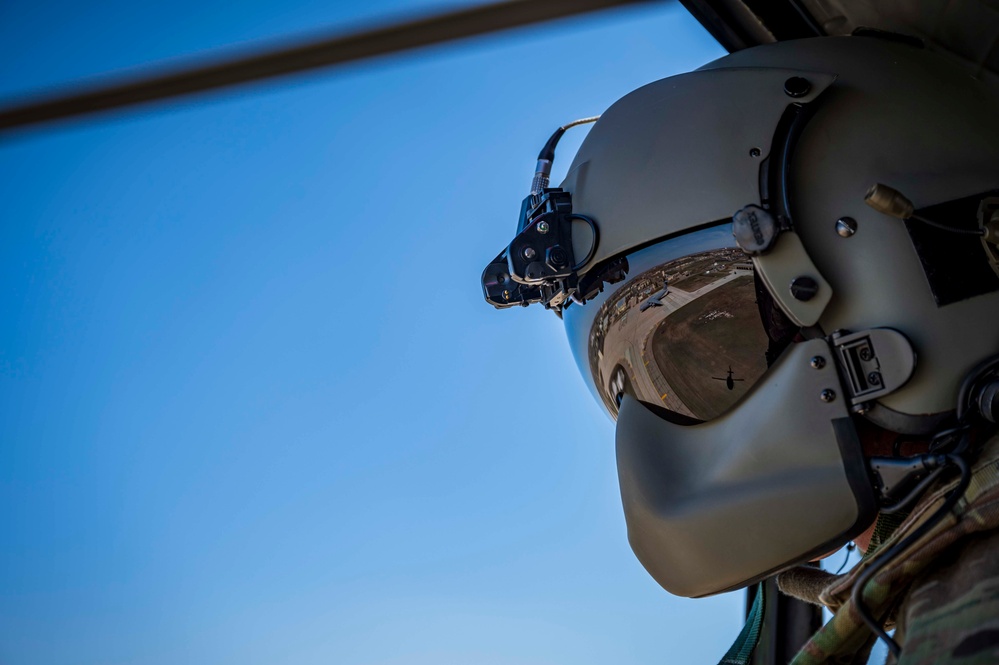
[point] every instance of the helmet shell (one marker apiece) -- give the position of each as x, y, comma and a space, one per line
686, 151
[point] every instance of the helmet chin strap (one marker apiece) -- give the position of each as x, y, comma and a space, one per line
901, 481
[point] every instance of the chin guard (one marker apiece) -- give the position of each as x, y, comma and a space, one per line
540, 265
781, 477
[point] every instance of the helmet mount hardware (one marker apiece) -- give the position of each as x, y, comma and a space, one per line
804, 288
755, 230
784, 262
872, 363
539, 265
846, 227
518, 275
796, 87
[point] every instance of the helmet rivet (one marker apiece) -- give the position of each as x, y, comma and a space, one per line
818, 362
827, 395
846, 226
529, 253
804, 288
754, 152
797, 87
543, 227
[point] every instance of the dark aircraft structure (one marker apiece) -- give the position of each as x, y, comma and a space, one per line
962, 30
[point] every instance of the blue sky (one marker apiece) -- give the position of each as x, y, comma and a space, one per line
252, 406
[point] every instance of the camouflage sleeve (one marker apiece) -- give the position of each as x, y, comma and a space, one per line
951, 613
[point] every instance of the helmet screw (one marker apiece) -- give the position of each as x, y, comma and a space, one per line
827, 395
818, 362
804, 288
543, 227
865, 354
797, 87
846, 226
754, 152
529, 253
874, 379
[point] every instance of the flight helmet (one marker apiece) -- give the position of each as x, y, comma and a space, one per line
748, 259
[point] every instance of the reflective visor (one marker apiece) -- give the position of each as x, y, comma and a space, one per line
683, 331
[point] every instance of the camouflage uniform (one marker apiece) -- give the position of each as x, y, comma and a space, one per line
943, 591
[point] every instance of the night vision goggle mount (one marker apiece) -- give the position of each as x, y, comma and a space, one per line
540, 265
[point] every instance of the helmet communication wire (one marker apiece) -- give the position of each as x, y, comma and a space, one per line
850, 547
948, 449
893, 203
547, 156
952, 498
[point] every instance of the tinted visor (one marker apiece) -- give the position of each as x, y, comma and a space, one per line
689, 329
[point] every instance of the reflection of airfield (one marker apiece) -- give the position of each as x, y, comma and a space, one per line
629, 338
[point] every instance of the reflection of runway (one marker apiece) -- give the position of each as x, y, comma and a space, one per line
637, 328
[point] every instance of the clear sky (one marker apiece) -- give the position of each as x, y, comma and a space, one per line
253, 408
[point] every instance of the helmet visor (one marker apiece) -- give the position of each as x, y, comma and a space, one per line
683, 330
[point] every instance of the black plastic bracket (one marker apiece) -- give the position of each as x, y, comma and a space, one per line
542, 251
539, 265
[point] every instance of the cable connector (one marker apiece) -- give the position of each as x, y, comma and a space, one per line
889, 201
896, 476
893, 203
543, 170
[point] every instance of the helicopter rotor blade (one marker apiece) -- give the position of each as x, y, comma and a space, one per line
335, 50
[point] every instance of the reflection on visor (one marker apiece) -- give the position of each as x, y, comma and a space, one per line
682, 332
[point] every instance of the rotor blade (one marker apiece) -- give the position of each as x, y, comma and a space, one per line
338, 49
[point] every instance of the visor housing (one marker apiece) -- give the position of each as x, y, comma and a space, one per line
683, 331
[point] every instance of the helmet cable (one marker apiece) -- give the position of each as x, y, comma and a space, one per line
947, 450
850, 547
547, 155
951, 499
893, 203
